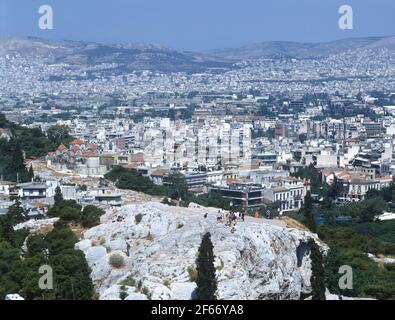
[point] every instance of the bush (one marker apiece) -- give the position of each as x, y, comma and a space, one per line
166, 283
192, 274
146, 292
390, 267
117, 260
129, 281
123, 294
138, 218
90, 216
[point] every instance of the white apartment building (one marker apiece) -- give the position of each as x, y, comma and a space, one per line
289, 193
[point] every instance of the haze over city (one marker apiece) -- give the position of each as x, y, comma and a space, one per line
197, 25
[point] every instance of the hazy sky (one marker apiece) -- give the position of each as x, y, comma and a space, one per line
197, 24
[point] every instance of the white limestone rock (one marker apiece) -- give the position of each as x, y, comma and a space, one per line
161, 292
83, 245
117, 245
93, 254
182, 291
37, 225
258, 261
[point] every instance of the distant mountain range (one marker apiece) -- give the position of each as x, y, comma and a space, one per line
128, 57
139, 57
301, 50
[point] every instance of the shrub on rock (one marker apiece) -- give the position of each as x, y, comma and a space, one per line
117, 260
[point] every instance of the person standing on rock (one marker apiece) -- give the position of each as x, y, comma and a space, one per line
219, 216
232, 219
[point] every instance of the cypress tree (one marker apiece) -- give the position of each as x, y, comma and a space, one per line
308, 208
58, 196
206, 281
317, 277
30, 174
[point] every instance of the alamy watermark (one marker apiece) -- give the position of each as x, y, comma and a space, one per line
346, 20
46, 281
346, 280
45, 22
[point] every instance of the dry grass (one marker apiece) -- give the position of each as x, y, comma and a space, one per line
149, 237
78, 230
166, 283
46, 228
291, 223
58, 174
192, 274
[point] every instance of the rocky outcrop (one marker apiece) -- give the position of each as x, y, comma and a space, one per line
159, 246
37, 226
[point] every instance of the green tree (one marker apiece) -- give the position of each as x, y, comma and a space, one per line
212, 199
371, 208
16, 213
90, 216
35, 244
71, 276
318, 273
71, 213
58, 196
8, 256
67, 210
29, 141
310, 173
59, 134
308, 212
30, 175
59, 239
302, 138
6, 229
12, 161
24, 277
178, 187
206, 281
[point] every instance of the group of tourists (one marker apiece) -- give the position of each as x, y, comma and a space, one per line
230, 218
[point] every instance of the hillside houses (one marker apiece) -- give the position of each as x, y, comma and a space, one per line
80, 157
353, 185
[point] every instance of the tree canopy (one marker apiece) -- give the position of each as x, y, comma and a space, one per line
19, 270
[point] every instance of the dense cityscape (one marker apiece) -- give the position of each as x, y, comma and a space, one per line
122, 160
